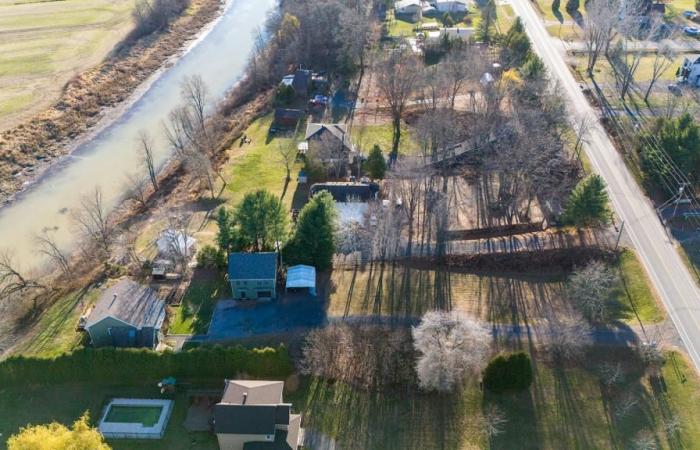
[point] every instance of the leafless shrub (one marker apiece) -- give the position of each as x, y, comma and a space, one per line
494, 421
591, 287
644, 440
14, 281
94, 224
612, 374
150, 16
367, 356
625, 404
146, 143
568, 337
137, 190
49, 247
450, 346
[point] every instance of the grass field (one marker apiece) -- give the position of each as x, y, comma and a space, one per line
637, 291
45, 43
194, 313
566, 408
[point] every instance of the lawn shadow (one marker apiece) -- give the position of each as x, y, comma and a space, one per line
520, 429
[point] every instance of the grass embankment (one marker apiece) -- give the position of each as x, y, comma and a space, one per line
195, 311
565, 408
45, 43
83, 96
637, 292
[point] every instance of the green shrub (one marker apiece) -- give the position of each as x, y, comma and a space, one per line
508, 372
375, 165
209, 257
112, 365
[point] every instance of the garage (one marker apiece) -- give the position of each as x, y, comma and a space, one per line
300, 278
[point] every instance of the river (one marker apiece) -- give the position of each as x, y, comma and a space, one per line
105, 160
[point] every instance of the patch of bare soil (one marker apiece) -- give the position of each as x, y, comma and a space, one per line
38, 142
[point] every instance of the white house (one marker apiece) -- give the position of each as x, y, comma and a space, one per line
408, 7
451, 6
690, 72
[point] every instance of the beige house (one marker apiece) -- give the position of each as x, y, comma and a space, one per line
253, 416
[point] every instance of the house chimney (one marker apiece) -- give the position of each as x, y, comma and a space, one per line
245, 397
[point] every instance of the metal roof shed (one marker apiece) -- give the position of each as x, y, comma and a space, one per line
302, 276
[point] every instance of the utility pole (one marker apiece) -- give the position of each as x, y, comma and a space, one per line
619, 235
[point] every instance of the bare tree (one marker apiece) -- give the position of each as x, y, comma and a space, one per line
288, 154
625, 404
352, 237
49, 247
94, 223
612, 374
568, 337
461, 67
592, 287
13, 280
652, 356
178, 237
644, 440
494, 421
397, 78
194, 94
599, 31
663, 59
673, 424
450, 345
406, 182
582, 128
137, 189
146, 143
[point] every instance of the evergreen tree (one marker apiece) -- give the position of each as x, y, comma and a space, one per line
485, 32
508, 372
261, 220
516, 45
224, 219
588, 204
313, 242
375, 165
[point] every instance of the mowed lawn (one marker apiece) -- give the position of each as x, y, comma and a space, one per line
566, 408
514, 298
36, 404
45, 43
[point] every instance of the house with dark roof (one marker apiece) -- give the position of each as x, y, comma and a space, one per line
287, 118
127, 314
300, 81
253, 276
253, 416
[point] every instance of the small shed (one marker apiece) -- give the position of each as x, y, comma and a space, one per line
302, 277
287, 118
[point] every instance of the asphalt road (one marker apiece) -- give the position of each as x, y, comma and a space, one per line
670, 276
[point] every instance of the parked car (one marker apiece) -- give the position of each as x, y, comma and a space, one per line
690, 14
319, 100
692, 31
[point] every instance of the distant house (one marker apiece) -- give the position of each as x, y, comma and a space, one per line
347, 192
436, 37
300, 81
690, 71
252, 416
330, 143
408, 7
253, 275
451, 6
287, 118
127, 314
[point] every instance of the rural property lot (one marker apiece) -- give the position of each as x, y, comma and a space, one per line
43, 44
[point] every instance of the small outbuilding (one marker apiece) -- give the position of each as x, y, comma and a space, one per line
253, 276
301, 277
287, 118
127, 314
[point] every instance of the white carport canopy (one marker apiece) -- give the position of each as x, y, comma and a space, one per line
302, 276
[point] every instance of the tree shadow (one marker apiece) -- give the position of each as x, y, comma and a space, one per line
521, 430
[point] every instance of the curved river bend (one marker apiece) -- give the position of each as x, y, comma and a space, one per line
220, 57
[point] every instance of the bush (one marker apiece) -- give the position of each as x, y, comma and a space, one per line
508, 372
588, 204
209, 257
375, 165
113, 365
150, 16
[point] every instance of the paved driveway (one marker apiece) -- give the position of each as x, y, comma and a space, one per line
232, 320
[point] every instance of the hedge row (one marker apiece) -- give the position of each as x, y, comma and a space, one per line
134, 365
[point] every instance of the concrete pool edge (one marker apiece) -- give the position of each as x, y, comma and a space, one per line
127, 430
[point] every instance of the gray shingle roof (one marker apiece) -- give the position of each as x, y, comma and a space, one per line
339, 131
252, 266
129, 302
244, 419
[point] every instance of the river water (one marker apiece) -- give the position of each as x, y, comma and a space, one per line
219, 56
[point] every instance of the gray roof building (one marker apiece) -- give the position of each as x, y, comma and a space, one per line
337, 130
252, 266
127, 314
